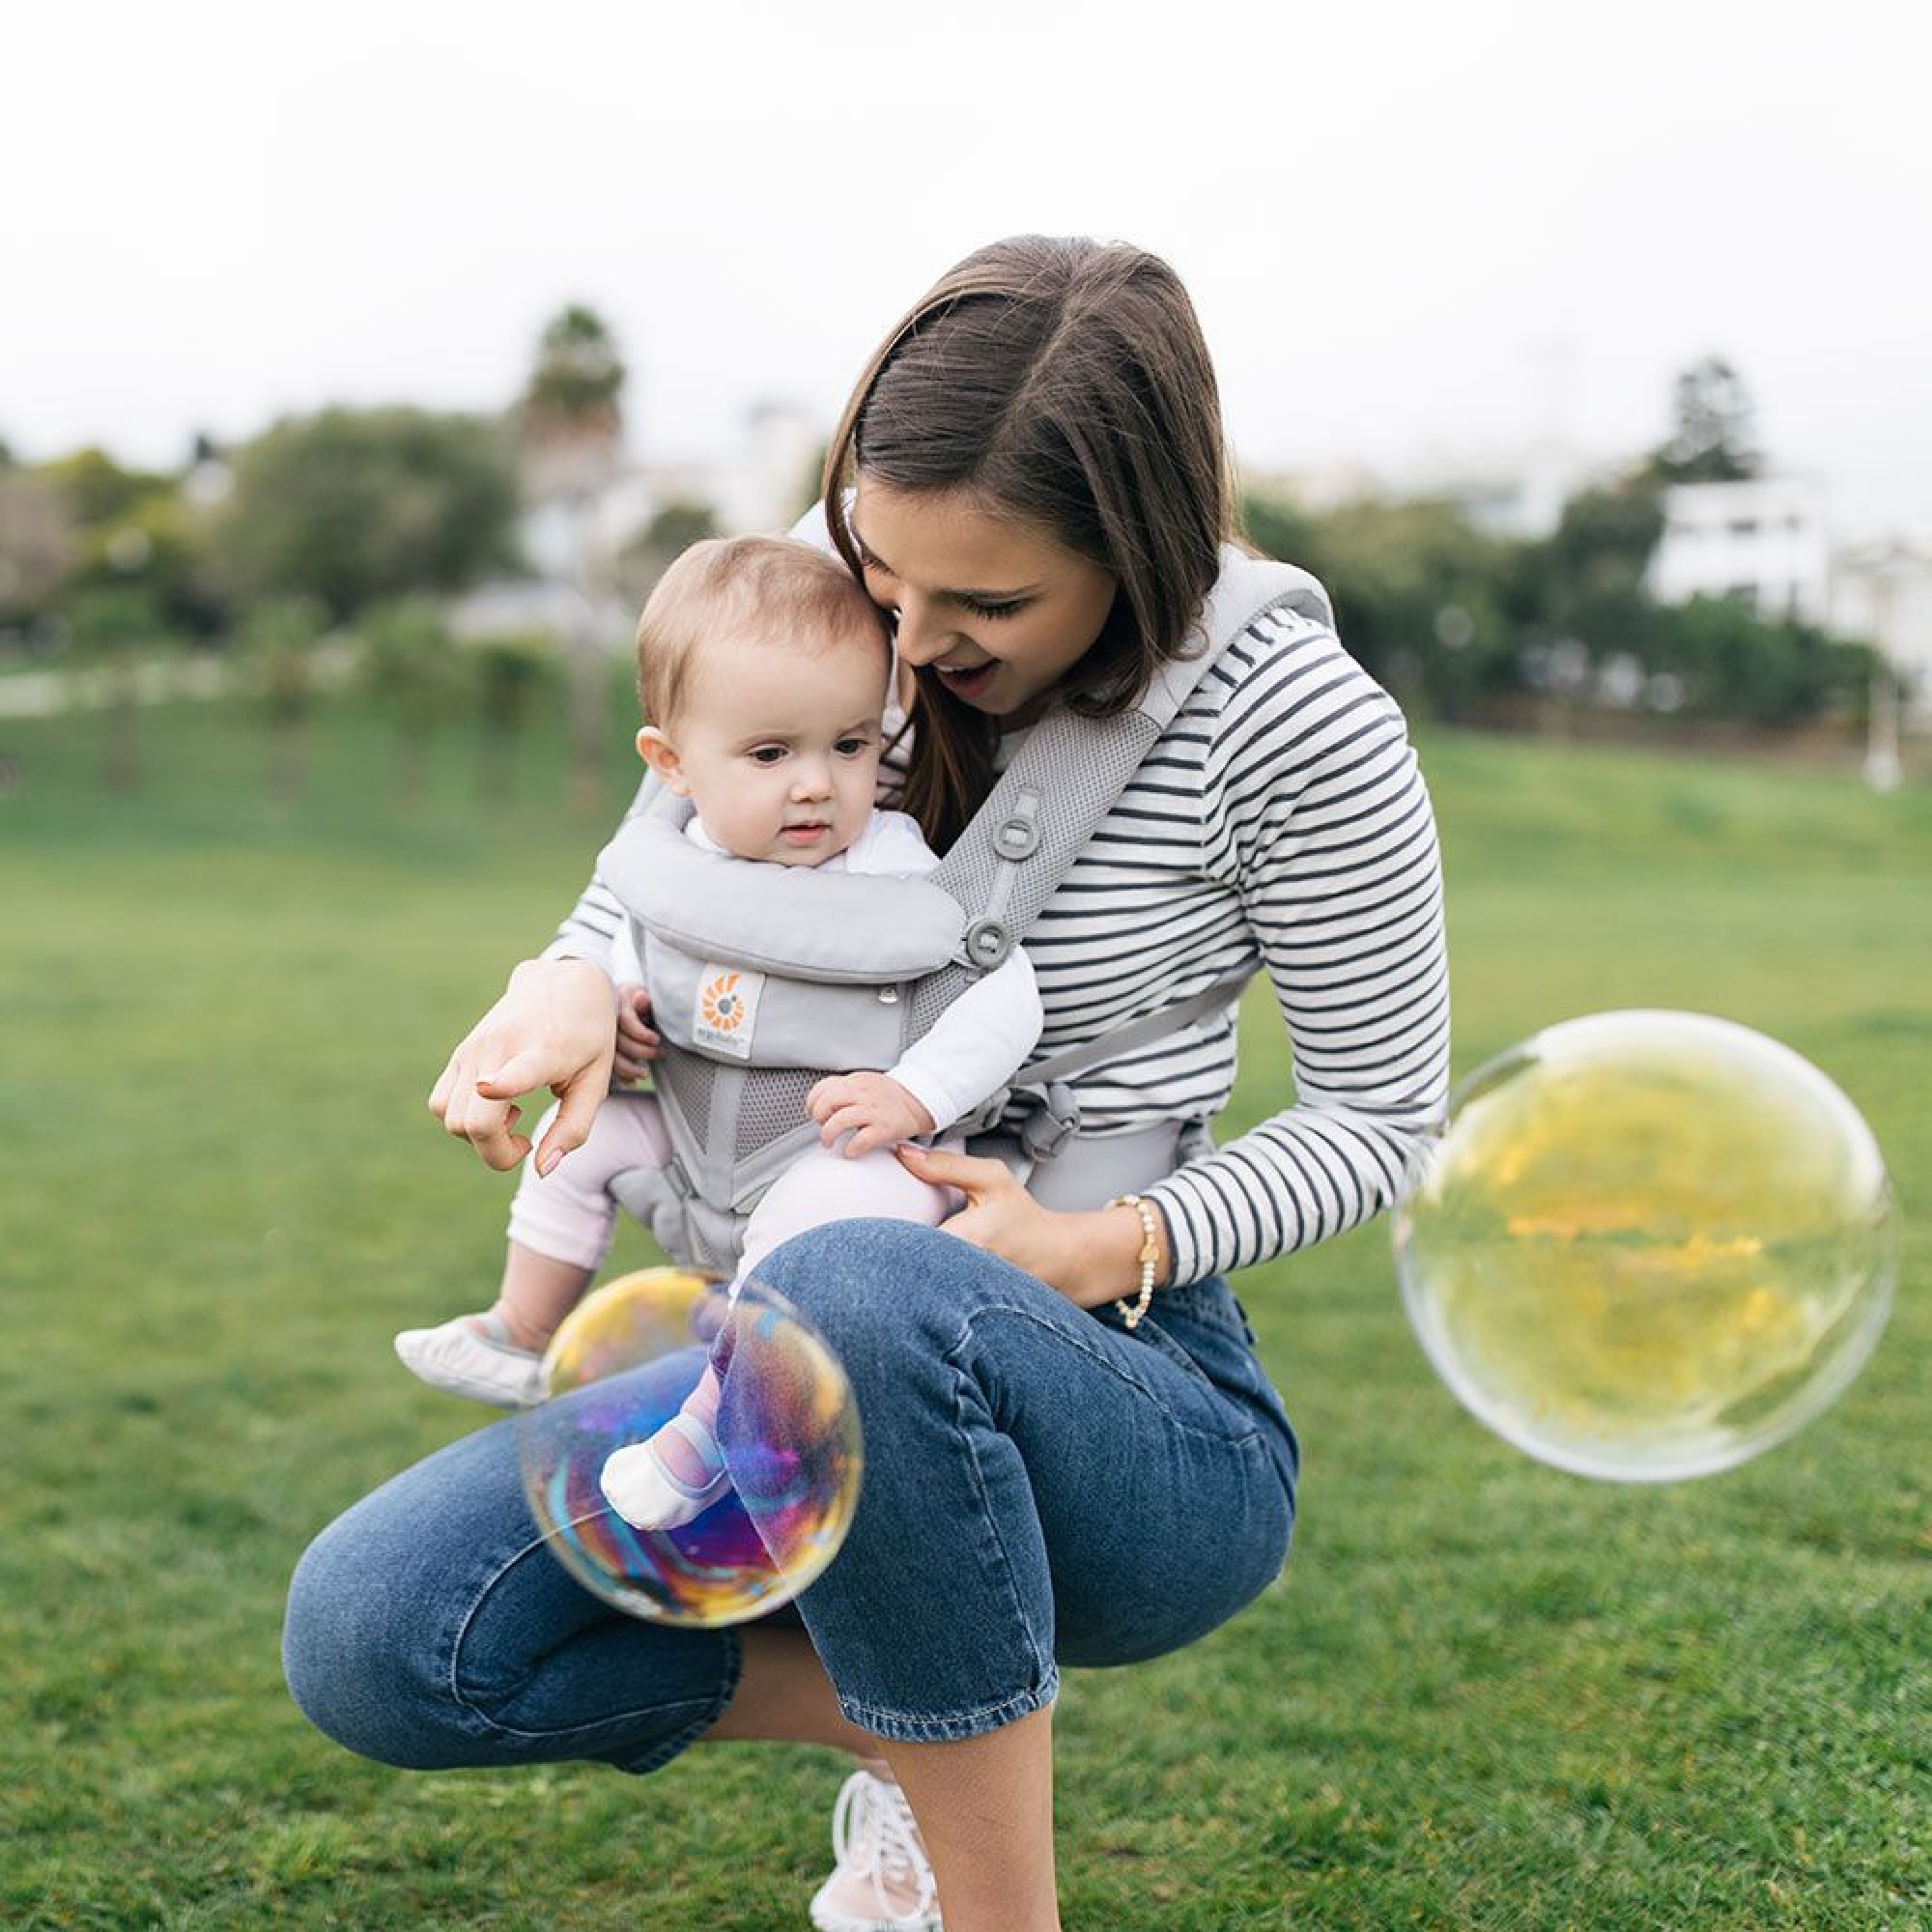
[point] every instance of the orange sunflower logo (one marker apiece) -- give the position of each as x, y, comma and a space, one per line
724, 1004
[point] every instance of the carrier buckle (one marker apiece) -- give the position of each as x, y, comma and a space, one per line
1052, 1124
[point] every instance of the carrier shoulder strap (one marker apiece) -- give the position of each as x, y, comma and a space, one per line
1070, 772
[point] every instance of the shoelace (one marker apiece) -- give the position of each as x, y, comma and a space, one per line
874, 1834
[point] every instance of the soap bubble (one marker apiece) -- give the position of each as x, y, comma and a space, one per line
1650, 1245
618, 1368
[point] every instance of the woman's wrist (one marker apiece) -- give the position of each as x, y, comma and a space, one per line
561, 967
1108, 1243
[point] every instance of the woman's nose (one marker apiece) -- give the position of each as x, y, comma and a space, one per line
921, 639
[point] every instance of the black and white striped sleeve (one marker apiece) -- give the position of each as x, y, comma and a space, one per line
1319, 819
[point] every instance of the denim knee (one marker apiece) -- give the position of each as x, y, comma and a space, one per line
360, 1665
888, 1294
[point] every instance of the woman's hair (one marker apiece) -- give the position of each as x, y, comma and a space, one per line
757, 587
1065, 383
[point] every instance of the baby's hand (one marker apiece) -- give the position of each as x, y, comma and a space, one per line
875, 1111
637, 1041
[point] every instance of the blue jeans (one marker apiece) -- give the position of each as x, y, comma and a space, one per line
1041, 1488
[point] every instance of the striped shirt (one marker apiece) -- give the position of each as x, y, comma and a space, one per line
1280, 825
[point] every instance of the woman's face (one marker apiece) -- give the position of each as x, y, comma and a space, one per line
999, 609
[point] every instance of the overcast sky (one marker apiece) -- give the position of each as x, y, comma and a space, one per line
1407, 227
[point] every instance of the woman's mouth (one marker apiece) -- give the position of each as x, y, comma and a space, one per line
969, 680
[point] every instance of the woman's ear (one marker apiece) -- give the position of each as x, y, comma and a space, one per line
661, 754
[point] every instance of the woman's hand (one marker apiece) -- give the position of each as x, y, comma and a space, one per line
638, 1043
1090, 1258
555, 1027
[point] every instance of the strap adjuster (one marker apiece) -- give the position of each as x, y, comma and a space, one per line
1017, 838
988, 941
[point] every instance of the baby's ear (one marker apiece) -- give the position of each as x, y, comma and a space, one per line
661, 754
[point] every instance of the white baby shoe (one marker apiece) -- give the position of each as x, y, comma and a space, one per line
482, 1363
639, 1486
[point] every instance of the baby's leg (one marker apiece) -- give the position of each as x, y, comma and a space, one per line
559, 1231
680, 1472
822, 1185
560, 1226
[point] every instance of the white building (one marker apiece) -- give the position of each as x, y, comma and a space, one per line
1882, 593
1763, 540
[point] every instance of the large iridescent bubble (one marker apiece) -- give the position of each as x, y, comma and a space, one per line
1650, 1245
619, 1367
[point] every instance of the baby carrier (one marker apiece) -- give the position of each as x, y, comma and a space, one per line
763, 983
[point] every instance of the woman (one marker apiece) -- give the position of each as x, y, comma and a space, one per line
1039, 496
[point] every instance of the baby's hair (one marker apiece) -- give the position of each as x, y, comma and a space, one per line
773, 589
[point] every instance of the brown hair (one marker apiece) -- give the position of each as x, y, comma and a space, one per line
1063, 382
772, 588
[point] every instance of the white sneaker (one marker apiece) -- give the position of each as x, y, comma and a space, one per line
485, 1365
884, 1878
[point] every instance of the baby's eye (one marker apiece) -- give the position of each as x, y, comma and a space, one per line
851, 748
766, 754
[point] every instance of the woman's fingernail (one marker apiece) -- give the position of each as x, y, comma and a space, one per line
547, 1165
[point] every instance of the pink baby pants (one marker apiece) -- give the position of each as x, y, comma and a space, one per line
569, 1216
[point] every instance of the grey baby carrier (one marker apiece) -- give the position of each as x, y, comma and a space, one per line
762, 984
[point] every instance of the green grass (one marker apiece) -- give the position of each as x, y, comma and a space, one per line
1482, 1694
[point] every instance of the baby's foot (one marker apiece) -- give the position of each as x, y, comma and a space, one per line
474, 1356
667, 1479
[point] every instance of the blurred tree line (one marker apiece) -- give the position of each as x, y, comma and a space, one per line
1463, 625
331, 543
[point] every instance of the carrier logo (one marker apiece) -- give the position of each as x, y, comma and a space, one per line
727, 1010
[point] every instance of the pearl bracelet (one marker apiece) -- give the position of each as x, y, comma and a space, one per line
1132, 1311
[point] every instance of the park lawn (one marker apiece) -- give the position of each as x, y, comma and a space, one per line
1483, 1693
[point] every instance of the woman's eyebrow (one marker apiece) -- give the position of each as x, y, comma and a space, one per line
977, 596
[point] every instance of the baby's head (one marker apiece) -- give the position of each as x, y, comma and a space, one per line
762, 669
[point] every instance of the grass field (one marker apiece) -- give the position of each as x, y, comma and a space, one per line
1482, 1694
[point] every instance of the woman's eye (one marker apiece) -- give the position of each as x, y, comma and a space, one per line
979, 609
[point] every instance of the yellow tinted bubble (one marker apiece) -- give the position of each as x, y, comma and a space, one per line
619, 1369
1649, 1245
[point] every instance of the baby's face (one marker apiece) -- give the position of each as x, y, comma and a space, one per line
779, 747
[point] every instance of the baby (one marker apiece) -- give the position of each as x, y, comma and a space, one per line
763, 671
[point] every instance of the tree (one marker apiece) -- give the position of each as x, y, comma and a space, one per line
1418, 591
1731, 662
677, 526
1585, 581
511, 671
572, 417
276, 643
39, 544
1713, 439
414, 670
354, 506
108, 626
573, 396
